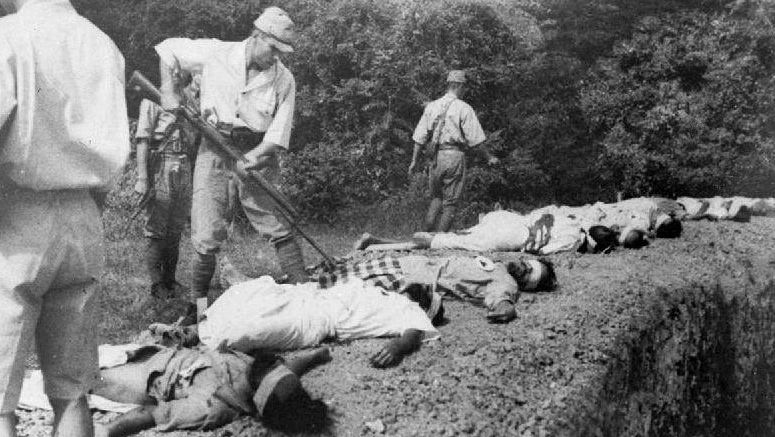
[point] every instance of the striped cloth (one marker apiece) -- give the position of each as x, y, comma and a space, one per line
384, 272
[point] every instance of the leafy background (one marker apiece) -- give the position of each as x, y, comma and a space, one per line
592, 97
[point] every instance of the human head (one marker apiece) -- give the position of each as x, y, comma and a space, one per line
429, 301
282, 402
273, 34
603, 239
533, 274
668, 226
632, 238
456, 82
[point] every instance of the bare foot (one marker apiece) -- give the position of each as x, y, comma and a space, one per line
363, 242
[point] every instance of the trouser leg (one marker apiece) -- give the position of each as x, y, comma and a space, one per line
435, 188
154, 261
202, 272
291, 259
453, 182
447, 218
429, 224
170, 260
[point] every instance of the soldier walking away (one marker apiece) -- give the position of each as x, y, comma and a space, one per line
248, 94
165, 147
450, 126
64, 136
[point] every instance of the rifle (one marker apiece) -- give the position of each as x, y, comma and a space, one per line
254, 180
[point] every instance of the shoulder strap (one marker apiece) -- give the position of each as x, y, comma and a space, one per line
438, 123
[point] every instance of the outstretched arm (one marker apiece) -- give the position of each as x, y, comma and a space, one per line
132, 422
397, 349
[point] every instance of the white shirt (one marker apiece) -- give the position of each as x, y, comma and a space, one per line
261, 314
265, 104
63, 121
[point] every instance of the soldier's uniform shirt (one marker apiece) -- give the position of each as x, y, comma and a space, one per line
464, 277
460, 129
63, 131
168, 211
184, 384
265, 104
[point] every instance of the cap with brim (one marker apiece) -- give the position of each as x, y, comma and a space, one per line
276, 28
280, 382
458, 76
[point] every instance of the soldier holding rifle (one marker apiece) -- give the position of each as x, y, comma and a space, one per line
249, 95
164, 152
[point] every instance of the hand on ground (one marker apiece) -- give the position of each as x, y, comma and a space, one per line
388, 356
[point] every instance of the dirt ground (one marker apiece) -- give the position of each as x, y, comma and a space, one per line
517, 379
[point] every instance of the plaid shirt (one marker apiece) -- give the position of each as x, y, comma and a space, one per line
384, 272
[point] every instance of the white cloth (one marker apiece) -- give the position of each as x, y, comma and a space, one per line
503, 231
63, 121
261, 314
265, 104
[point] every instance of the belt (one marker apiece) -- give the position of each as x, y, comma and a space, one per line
242, 137
450, 146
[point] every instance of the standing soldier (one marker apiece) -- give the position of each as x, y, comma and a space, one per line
451, 126
64, 136
249, 95
164, 151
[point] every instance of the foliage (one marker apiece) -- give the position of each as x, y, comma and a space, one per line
590, 96
683, 107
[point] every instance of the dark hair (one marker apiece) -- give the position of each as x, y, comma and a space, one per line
421, 294
743, 215
670, 228
605, 238
635, 239
297, 414
549, 281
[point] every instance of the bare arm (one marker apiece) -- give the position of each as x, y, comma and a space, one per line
397, 349
142, 186
132, 422
415, 156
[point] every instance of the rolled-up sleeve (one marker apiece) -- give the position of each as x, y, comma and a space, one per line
146, 120
472, 130
7, 83
188, 54
423, 127
279, 131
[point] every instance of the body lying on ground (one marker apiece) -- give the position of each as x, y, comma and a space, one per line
184, 388
494, 284
262, 315
505, 231
737, 208
634, 219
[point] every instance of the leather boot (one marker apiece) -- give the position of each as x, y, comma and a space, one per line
447, 218
291, 260
170, 262
154, 264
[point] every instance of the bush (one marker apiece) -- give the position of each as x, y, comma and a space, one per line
681, 109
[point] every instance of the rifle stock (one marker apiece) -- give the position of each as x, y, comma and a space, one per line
140, 84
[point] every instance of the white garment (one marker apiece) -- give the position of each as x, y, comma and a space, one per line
265, 104
503, 231
460, 125
63, 121
261, 314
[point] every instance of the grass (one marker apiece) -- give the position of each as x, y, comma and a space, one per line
124, 302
